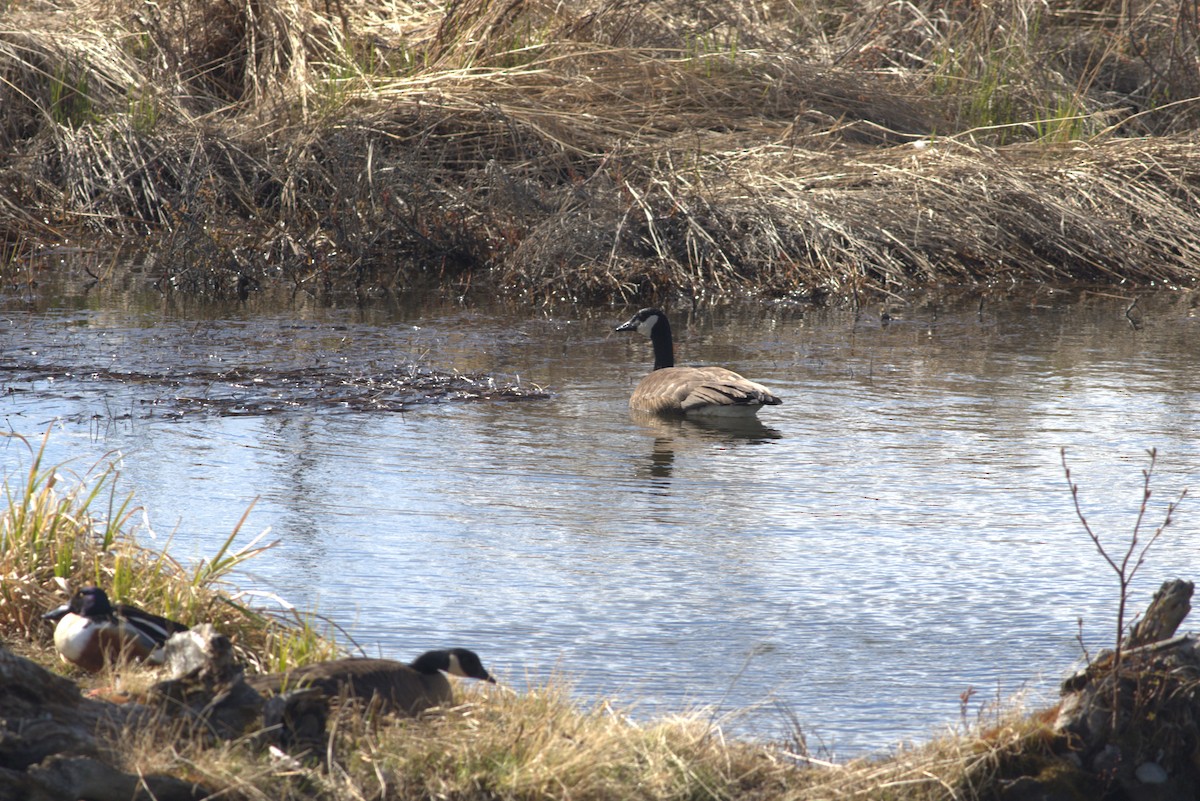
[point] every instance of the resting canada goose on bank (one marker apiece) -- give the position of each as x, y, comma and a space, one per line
409, 688
691, 391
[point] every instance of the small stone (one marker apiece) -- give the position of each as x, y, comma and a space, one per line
1151, 773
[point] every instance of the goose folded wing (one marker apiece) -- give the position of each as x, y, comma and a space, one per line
721, 387
713, 394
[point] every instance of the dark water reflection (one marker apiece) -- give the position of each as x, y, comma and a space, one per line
670, 436
897, 532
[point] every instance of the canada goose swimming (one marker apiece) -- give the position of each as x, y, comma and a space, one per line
410, 688
92, 632
691, 391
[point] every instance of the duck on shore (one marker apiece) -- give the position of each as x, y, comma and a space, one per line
91, 632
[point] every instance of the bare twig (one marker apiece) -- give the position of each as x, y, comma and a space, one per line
1130, 562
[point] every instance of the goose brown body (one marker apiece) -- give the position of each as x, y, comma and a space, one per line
407, 688
689, 391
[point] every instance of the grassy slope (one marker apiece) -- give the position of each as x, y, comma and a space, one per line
606, 149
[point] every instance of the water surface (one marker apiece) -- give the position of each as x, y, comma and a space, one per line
898, 533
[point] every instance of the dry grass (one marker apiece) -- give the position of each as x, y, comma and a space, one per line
540, 745
605, 149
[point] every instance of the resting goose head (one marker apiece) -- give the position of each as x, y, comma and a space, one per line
455, 661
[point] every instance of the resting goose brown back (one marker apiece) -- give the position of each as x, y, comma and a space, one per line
690, 391
408, 688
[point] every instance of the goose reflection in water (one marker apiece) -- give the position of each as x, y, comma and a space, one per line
674, 436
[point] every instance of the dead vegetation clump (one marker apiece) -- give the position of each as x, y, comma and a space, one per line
606, 149
542, 745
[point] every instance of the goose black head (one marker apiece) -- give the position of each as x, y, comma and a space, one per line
653, 323
647, 322
455, 661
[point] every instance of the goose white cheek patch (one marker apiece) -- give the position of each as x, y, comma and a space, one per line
646, 326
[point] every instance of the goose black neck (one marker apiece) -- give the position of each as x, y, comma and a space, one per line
664, 345
431, 662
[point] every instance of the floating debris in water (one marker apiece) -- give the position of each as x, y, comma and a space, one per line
260, 391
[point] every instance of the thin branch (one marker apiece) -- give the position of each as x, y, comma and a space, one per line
1082, 519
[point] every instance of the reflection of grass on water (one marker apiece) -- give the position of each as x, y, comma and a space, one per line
568, 151
496, 744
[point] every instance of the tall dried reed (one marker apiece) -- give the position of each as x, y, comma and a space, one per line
607, 149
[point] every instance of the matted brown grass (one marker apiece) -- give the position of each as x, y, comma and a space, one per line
496, 744
605, 150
